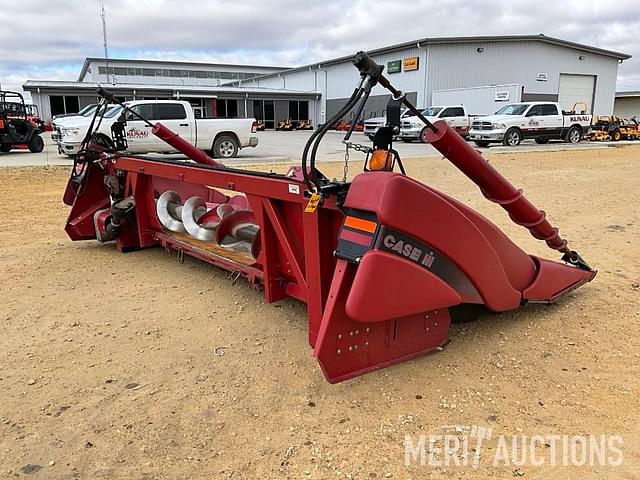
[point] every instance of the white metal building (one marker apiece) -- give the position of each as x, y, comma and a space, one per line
627, 104
481, 72
205, 85
533, 67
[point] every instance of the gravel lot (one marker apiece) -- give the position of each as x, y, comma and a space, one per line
111, 364
287, 147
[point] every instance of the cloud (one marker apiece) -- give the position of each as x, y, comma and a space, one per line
41, 41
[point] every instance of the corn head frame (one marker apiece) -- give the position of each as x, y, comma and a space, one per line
381, 262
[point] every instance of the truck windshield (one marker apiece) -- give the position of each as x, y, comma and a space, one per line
112, 111
517, 109
88, 110
431, 111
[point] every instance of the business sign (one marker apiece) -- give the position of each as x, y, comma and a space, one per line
410, 63
501, 96
542, 77
394, 66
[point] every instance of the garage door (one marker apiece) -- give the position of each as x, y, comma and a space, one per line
576, 88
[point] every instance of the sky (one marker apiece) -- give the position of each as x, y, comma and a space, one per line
45, 40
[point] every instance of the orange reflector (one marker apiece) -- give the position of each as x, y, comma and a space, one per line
360, 224
381, 160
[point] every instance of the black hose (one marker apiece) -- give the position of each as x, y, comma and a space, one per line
320, 132
358, 113
87, 137
314, 150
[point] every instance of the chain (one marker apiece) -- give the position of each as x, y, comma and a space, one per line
358, 148
345, 169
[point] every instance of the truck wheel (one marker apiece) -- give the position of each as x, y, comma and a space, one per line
541, 140
574, 135
225, 146
512, 138
481, 144
36, 144
423, 135
5, 148
616, 135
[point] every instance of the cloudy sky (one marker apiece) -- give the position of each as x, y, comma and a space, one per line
44, 39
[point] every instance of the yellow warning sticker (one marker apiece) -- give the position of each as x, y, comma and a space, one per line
313, 203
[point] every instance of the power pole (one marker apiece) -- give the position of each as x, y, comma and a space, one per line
104, 36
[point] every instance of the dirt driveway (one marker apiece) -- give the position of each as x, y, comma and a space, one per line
137, 367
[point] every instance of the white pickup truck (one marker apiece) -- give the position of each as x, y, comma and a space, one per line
222, 137
412, 128
541, 121
371, 125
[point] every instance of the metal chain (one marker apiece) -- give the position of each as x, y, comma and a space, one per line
345, 169
358, 148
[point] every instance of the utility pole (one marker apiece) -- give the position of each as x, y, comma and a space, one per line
104, 36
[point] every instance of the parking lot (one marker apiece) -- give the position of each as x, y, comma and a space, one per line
286, 147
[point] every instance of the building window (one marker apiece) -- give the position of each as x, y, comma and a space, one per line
57, 105
226, 108
174, 73
61, 104
298, 110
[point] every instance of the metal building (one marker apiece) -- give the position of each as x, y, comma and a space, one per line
204, 85
627, 104
534, 67
484, 73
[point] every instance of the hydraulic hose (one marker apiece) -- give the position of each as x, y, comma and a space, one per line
320, 132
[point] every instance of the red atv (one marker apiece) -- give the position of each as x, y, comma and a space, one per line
17, 130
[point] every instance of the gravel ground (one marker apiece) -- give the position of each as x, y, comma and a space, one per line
137, 367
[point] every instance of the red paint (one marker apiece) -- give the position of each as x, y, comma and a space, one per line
379, 310
493, 185
355, 237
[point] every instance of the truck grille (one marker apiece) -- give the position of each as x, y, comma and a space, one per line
57, 132
482, 125
371, 127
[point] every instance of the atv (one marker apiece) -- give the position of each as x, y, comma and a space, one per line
16, 130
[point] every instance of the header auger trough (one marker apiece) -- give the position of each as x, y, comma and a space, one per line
379, 261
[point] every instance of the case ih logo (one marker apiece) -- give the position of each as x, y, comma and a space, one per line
407, 249
137, 133
580, 118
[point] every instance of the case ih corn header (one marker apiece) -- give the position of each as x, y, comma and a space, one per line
379, 261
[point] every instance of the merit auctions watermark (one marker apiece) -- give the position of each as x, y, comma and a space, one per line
474, 446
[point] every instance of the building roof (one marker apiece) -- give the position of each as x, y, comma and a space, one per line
630, 93
91, 87
88, 60
453, 40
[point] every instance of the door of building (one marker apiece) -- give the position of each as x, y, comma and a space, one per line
264, 111
574, 89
